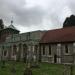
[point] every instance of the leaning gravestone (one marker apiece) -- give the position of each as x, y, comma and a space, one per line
28, 71
3, 64
67, 70
13, 69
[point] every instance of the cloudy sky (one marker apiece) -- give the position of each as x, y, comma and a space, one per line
30, 15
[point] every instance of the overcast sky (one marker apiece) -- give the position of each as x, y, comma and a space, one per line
30, 15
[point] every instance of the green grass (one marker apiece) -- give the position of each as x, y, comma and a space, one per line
19, 66
43, 69
48, 69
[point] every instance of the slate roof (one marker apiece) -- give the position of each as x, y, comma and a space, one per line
59, 35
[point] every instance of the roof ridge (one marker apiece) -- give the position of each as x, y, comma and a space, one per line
13, 27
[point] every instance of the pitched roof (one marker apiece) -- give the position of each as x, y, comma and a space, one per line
59, 35
12, 27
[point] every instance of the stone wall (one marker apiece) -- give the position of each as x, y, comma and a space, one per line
26, 44
58, 53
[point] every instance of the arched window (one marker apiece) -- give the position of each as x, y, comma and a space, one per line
24, 49
36, 48
2, 50
2, 47
14, 49
49, 49
66, 49
20, 48
43, 49
5, 53
24, 52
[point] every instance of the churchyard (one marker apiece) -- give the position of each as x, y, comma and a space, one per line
18, 68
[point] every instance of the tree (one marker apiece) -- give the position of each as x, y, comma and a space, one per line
1, 24
70, 21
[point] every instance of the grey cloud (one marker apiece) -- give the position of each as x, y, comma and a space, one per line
71, 4
29, 16
37, 15
24, 16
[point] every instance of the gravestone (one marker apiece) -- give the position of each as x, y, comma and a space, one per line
27, 71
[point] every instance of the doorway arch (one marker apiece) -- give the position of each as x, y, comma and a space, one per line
25, 52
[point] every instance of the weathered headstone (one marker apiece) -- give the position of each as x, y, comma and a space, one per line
28, 71
13, 69
3, 64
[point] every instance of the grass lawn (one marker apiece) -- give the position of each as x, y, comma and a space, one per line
19, 66
48, 69
44, 69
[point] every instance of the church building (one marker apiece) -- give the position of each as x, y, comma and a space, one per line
58, 46
19, 46
52, 46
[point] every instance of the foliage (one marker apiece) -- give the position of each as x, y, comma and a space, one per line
69, 21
